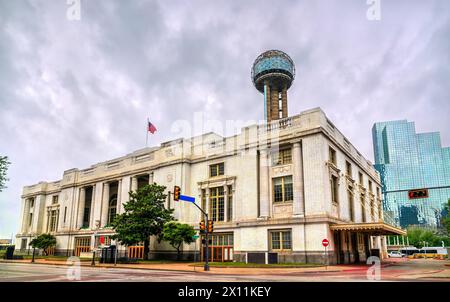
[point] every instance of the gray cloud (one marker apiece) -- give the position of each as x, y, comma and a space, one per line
76, 93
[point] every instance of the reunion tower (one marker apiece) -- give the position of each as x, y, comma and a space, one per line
272, 73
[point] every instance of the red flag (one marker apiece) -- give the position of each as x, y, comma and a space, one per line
151, 128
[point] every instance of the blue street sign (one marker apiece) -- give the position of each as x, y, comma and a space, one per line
187, 198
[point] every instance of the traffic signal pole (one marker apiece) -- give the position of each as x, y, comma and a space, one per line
176, 197
206, 267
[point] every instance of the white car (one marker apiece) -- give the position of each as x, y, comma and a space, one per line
395, 254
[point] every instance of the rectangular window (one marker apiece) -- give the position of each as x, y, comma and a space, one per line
87, 207
282, 189
363, 208
55, 199
361, 179
30, 221
82, 242
217, 204
216, 170
372, 209
53, 220
379, 211
348, 169
281, 240
282, 157
31, 202
334, 189
65, 214
350, 204
370, 186
230, 203
332, 155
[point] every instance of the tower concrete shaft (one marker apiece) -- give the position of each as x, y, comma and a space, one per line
275, 101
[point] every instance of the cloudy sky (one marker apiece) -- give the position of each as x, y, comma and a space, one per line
74, 93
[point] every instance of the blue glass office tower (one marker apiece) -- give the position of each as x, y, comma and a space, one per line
408, 161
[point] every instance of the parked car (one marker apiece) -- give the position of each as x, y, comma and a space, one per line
395, 254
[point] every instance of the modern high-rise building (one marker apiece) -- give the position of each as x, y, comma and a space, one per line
415, 173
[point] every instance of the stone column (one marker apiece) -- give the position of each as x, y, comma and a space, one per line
264, 188
105, 205
25, 214
125, 188
134, 184
57, 220
48, 221
81, 203
150, 178
297, 161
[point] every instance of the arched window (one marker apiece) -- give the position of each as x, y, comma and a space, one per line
112, 210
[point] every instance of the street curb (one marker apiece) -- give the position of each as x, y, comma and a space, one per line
189, 271
155, 269
101, 266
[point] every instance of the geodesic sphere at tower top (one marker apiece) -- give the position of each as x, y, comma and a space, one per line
274, 66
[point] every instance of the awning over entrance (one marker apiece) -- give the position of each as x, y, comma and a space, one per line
373, 228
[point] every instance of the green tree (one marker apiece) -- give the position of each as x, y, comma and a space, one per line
178, 233
418, 236
4, 163
43, 241
446, 220
144, 216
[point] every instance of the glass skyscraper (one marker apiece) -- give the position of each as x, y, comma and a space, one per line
406, 161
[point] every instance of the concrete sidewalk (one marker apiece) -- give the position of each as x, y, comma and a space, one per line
188, 267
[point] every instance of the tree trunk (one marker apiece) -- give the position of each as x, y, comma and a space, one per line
146, 248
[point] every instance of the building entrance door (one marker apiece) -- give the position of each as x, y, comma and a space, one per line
82, 244
220, 248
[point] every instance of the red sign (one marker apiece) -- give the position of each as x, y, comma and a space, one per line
325, 242
102, 239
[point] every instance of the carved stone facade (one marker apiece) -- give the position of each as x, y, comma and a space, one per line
260, 207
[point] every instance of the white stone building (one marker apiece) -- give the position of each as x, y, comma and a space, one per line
278, 187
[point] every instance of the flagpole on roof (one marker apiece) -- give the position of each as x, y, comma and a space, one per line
146, 131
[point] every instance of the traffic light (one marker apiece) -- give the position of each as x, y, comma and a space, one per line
176, 193
210, 226
420, 193
202, 226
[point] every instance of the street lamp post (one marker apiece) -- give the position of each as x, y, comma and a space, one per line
97, 224
115, 252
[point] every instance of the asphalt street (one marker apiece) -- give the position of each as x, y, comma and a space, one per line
426, 270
